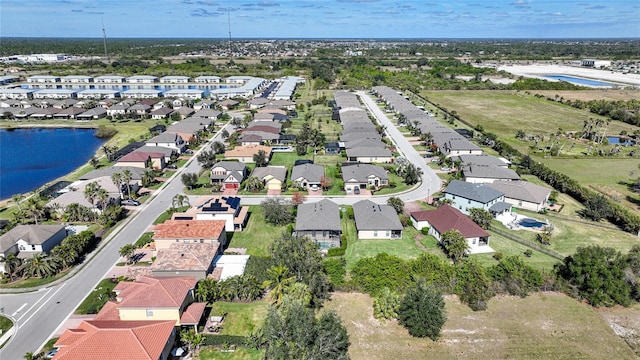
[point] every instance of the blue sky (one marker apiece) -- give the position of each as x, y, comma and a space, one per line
322, 18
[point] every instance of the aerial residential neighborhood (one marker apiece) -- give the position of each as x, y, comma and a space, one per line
227, 195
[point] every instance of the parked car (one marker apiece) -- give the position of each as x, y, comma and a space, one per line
444, 168
131, 202
188, 151
356, 191
314, 187
51, 354
172, 166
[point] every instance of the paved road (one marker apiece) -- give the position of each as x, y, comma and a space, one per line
40, 313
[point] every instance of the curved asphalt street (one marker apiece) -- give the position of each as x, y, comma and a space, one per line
39, 314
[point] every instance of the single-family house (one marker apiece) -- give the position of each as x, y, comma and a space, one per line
118, 109
96, 339
108, 171
320, 222
69, 113
446, 218
204, 104
522, 194
229, 174
273, 177
168, 140
369, 155
228, 104
161, 113
207, 114
189, 231
226, 208
363, 175
487, 174
306, 175
155, 299
92, 114
180, 259
28, 240
483, 159
465, 196
139, 159
245, 153
375, 221
331, 148
184, 112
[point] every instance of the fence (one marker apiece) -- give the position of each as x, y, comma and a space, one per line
528, 243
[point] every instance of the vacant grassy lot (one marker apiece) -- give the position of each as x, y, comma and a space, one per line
606, 175
505, 112
595, 94
241, 319
258, 235
541, 326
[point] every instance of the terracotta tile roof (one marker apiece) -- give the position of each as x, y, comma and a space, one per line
189, 229
192, 314
115, 340
108, 312
186, 257
447, 218
151, 292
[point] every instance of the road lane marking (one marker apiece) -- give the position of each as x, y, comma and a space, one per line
41, 306
34, 304
19, 309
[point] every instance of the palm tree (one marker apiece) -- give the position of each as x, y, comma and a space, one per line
278, 282
117, 181
40, 265
91, 192
180, 200
11, 264
128, 251
103, 197
34, 208
65, 255
126, 178
147, 178
253, 184
16, 199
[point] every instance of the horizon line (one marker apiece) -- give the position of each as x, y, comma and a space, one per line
323, 38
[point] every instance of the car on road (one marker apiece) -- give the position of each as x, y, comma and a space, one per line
130, 202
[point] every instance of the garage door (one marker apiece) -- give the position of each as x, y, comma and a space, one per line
230, 186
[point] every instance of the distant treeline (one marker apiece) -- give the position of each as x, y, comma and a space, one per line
614, 49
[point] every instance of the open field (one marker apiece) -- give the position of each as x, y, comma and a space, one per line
505, 112
595, 94
606, 175
541, 326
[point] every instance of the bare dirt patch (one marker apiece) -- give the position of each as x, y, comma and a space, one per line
625, 323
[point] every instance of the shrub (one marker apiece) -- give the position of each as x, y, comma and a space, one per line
425, 231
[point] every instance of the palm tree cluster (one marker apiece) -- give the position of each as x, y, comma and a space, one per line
237, 288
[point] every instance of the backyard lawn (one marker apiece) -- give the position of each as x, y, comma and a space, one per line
404, 248
258, 235
241, 319
540, 326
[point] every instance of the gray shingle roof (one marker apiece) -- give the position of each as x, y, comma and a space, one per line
521, 190
310, 172
136, 172
482, 160
230, 165
32, 234
371, 216
360, 172
368, 152
476, 192
321, 215
489, 172
278, 172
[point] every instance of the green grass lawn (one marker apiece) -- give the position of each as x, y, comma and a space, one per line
287, 159
604, 174
242, 353
404, 248
258, 235
97, 298
33, 282
241, 319
5, 324
511, 248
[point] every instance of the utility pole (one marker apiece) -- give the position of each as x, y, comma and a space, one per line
104, 40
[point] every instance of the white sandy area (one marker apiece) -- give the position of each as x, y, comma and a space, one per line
541, 70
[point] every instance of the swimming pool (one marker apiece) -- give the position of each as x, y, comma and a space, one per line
531, 223
616, 140
579, 81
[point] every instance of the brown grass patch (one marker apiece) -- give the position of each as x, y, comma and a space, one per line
541, 326
596, 94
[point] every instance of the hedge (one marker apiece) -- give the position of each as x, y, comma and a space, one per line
215, 340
